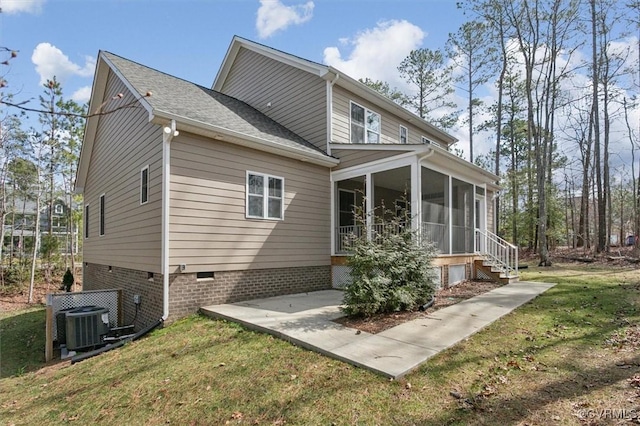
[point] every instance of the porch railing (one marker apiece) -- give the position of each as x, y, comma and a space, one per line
499, 251
435, 233
346, 233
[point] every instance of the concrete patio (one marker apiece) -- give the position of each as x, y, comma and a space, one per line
306, 320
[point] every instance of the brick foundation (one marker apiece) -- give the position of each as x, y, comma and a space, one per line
131, 281
187, 293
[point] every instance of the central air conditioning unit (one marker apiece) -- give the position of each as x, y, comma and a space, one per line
86, 326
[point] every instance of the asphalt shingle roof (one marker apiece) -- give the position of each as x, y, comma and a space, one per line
185, 99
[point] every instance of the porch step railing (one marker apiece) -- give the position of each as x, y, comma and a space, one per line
498, 252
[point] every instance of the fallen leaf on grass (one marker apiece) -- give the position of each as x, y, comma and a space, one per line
514, 364
635, 381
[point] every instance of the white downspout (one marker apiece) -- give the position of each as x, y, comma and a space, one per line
168, 133
330, 112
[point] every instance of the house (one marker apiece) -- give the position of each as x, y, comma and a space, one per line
196, 196
20, 225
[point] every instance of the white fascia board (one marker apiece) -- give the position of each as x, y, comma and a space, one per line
456, 167
239, 138
376, 166
378, 147
377, 99
269, 52
140, 97
98, 89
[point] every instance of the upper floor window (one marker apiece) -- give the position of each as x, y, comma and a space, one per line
265, 196
365, 125
144, 185
57, 209
404, 134
429, 141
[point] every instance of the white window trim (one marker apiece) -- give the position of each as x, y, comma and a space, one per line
406, 131
366, 138
87, 211
55, 209
141, 171
265, 197
101, 215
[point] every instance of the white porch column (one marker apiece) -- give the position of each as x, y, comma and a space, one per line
332, 204
450, 211
416, 191
368, 179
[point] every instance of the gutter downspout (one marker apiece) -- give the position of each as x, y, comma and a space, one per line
330, 112
168, 133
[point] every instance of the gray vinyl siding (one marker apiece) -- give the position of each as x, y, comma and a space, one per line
124, 143
208, 228
297, 98
355, 157
390, 123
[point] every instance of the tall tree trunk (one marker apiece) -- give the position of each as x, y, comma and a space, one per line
36, 243
602, 228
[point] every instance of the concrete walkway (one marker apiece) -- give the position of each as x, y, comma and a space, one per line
306, 320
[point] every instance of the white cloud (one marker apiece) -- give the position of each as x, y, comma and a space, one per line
377, 52
50, 62
18, 6
274, 16
82, 95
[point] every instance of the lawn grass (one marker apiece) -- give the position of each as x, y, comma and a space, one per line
560, 359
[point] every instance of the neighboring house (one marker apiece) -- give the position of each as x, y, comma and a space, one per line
24, 222
197, 196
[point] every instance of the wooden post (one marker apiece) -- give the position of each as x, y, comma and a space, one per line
48, 349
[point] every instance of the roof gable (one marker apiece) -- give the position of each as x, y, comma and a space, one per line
331, 74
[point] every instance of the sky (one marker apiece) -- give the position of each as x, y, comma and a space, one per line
189, 38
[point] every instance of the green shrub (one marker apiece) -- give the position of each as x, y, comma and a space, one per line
391, 271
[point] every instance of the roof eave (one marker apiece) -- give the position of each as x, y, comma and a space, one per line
243, 139
475, 169
96, 100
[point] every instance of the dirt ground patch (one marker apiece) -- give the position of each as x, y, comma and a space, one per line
16, 300
443, 298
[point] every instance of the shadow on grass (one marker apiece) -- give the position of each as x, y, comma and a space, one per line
22, 341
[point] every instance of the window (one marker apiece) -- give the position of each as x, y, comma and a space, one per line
404, 134
265, 196
429, 141
86, 221
144, 185
101, 215
365, 125
58, 209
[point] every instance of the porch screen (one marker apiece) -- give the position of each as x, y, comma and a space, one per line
462, 195
435, 203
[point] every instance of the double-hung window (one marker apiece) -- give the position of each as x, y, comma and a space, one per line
365, 125
265, 196
404, 134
